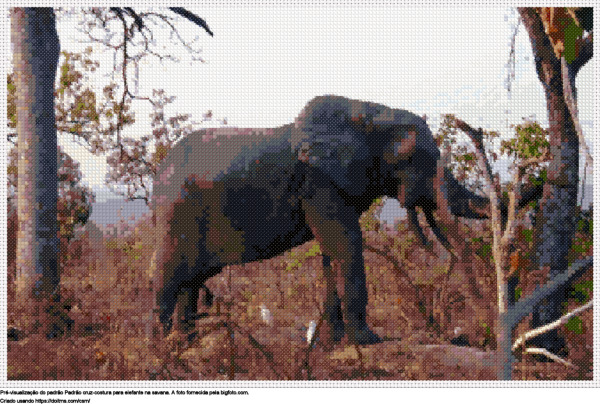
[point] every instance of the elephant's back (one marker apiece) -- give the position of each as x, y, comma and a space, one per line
212, 155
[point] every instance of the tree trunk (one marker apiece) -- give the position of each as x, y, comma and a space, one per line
556, 218
36, 51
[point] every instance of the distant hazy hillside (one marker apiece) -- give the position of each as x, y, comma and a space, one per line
113, 210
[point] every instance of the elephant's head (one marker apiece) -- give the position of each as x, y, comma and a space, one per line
411, 159
369, 150
425, 181
422, 181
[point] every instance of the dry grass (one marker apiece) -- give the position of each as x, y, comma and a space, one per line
108, 295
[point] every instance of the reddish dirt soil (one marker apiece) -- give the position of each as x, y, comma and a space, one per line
416, 301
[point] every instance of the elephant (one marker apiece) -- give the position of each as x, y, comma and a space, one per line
229, 196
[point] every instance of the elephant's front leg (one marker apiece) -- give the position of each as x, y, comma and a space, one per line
336, 227
333, 304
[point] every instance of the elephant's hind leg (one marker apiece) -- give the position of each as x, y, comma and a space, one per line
188, 308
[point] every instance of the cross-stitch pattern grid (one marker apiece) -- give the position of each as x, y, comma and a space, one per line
276, 252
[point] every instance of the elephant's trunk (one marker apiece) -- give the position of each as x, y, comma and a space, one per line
449, 198
463, 202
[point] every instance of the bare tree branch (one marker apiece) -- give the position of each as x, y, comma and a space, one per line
192, 17
512, 59
543, 52
174, 31
137, 19
525, 306
555, 324
476, 136
501, 244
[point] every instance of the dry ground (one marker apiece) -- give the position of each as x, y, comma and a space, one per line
416, 301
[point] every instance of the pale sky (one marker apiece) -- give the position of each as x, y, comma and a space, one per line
265, 63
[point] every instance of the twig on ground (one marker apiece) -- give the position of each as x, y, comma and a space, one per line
556, 358
360, 361
305, 362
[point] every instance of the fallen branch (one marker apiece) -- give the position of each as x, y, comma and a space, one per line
192, 17
550, 326
556, 358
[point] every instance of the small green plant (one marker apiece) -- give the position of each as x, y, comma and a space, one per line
484, 250
298, 259
575, 325
527, 235
314, 251
487, 333
135, 251
581, 291
531, 141
518, 293
581, 245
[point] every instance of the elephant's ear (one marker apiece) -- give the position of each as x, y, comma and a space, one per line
403, 144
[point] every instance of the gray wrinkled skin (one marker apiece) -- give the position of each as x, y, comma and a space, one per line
230, 196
